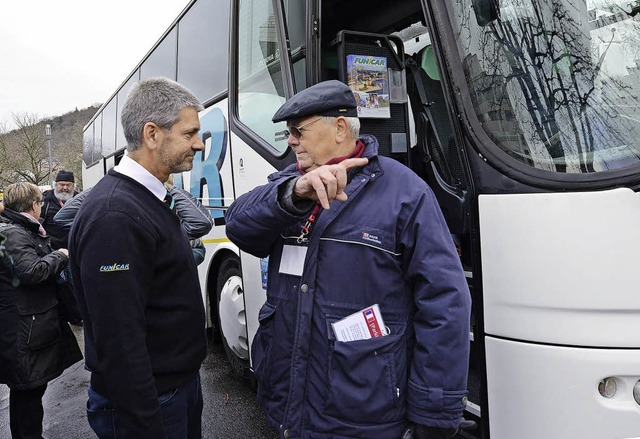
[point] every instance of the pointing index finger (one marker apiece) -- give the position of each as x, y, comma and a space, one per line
354, 163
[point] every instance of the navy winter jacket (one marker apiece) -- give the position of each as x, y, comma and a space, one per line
387, 244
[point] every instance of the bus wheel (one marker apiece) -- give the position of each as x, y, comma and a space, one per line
232, 318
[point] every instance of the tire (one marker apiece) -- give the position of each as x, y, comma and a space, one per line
231, 316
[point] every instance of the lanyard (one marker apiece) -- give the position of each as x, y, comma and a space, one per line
306, 228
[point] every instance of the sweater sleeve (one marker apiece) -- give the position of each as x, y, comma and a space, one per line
115, 256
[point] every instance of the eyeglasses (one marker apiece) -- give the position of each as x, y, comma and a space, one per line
40, 202
296, 132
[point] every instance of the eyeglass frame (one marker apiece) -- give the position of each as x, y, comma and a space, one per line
40, 202
291, 130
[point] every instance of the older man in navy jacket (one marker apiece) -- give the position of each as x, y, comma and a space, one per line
346, 229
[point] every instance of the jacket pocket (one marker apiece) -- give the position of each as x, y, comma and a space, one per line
367, 379
261, 347
40, 329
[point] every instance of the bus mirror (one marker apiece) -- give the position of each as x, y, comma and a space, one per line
487, 11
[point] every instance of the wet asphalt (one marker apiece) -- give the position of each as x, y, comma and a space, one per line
230, 407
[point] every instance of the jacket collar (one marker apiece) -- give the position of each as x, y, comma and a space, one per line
370, 152
16, 218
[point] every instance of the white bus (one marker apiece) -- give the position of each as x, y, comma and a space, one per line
524, 118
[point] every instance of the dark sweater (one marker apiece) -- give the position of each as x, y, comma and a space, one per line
138, 289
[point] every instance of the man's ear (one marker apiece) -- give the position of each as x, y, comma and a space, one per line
342, 129
151, 135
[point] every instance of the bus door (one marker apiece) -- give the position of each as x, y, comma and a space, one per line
268, 64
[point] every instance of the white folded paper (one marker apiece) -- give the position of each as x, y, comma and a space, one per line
364, 324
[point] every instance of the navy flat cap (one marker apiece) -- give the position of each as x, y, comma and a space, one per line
328, 98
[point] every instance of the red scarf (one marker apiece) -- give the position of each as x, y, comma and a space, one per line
356, 153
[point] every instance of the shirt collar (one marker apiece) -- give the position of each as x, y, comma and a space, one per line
136, 171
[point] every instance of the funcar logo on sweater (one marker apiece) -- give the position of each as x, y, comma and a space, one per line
114, 267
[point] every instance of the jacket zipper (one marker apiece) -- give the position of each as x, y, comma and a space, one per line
33, 318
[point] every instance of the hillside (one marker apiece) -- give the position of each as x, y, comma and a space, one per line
24, 154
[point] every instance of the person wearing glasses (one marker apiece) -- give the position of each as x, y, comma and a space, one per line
349, 232
35, 344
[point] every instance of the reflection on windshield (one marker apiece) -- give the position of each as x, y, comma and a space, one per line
556, 84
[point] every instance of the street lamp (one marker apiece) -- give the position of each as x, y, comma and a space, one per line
47, 132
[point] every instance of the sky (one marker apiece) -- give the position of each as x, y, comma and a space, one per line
56, 55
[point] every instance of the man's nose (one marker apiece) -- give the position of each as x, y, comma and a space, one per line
199, 145
292, 140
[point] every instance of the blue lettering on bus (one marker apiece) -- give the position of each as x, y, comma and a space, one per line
206, 171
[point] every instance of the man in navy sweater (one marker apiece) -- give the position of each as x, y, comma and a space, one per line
136, 279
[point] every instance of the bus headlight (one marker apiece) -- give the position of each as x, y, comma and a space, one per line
636, 392
608, 386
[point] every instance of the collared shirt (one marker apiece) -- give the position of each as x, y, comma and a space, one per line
136, 171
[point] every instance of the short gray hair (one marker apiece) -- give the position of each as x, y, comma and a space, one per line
353, 123
354, 126
157, 100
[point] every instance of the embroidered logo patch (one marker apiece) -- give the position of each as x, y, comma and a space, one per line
114, 267
371, 238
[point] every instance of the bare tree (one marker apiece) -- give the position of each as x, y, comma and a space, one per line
23, 153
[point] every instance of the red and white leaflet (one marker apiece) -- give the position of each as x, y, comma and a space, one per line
362, 325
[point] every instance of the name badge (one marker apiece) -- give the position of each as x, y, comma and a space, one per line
292, 261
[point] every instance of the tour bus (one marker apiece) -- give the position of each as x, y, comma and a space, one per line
524, 118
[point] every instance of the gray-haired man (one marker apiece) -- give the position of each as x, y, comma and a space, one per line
136, 279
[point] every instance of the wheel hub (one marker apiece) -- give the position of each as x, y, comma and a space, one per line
233, 318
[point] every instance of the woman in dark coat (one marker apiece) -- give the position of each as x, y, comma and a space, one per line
35, 344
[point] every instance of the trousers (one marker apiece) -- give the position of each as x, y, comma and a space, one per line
181, 410
26, 413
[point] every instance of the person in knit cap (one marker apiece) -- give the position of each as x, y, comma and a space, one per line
63, 190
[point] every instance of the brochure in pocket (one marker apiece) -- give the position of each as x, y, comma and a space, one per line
362, 325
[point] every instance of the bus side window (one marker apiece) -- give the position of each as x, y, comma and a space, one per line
260, 83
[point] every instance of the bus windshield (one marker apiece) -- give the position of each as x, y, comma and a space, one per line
556, 84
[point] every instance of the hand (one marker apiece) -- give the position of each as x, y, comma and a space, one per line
64, 251
425, 432
326, 183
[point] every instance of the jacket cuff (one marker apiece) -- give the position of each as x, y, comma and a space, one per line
435, 407
64, 259
285, 194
